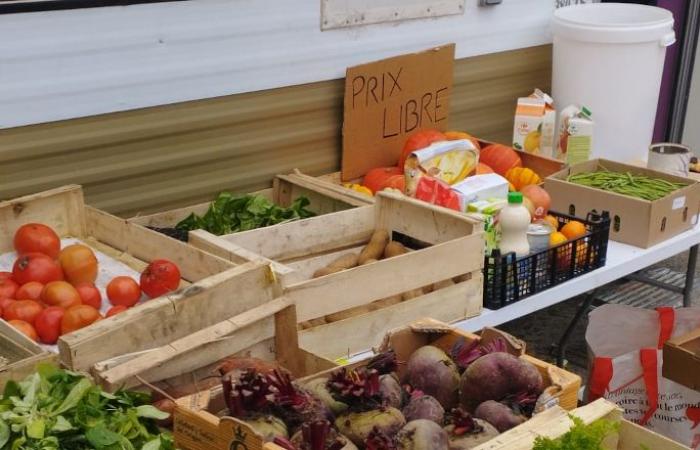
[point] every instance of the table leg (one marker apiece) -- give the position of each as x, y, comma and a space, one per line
561, 348
690, 276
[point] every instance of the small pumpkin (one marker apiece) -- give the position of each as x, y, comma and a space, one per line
395, 182
375, 178
457, 135
500, 158
520, 177
482, 169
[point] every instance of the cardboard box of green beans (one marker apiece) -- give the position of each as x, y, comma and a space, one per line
646, 206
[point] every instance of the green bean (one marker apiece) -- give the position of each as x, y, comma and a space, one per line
639, 186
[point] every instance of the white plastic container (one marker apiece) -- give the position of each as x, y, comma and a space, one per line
514, 220
610, 57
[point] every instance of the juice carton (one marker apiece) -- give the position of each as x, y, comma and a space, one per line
575, 140
535, 119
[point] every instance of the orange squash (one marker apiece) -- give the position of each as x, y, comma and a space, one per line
377, 177
419, 139
500, 158
395, 182
482, 169
520, 177
457, 135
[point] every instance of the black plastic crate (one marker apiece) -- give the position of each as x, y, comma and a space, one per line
175, 233
508, 279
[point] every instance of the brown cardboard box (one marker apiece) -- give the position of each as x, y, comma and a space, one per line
634, 221
682, 360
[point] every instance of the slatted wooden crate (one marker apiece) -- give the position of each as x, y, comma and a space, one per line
273, 326
204, 297
362, 303
562, 385
18, 354
554, 422
196, 428
285, 189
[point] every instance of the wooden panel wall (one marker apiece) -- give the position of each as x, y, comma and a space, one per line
158, 158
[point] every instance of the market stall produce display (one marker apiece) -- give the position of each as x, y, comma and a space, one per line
376, 402
290, 198
440, 277
201, 300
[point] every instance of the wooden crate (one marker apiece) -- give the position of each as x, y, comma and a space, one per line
18, 354
563, 385
541, 165
554, 422
344, 304
196, 428
285, 188
202, 300
273, 326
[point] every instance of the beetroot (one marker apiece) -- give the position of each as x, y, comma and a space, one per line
360, 390
379, 441
317, 387
496, 376
357, 426
430, 370
466, 432
499, 415
424, 407
390, 390
422, 434
319, 435
464, 354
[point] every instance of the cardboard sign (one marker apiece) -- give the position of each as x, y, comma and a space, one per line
387, 100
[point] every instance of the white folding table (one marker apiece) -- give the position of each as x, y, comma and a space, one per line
622, 261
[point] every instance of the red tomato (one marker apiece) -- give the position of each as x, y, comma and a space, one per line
79, 264
5, 302
160, 277
116, 310
48, 324
30, 291
8, 288
123, 291
26, 310
4, 275
89, 295
36, 267
35, 237
77, 317
60, 293
418, 140
25, 328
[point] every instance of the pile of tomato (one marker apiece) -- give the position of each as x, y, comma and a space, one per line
51, 291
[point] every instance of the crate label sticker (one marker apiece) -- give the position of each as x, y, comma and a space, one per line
678, 203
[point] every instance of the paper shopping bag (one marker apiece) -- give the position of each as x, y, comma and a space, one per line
625, 344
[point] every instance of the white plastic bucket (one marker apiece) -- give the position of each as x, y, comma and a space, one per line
609, 57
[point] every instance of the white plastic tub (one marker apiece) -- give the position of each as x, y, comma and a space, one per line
610, 58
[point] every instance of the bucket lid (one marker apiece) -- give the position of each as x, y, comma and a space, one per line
614, 23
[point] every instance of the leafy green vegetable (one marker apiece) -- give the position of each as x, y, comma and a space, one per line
229, 214
56, 409
579, 437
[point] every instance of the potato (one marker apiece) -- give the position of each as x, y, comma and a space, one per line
345, 261
368, 261
323, 271
375, 248
394, 248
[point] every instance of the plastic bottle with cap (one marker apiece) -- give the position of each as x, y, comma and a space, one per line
513, 220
